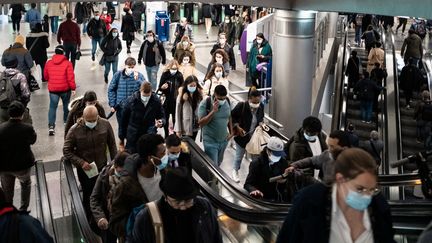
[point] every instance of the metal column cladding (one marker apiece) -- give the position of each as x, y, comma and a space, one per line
293, 67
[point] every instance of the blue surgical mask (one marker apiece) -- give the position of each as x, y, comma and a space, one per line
357, 200
117, 173
114, 34
173, 156
97, 17
191, 89
145, 99
274, 159
310, 138
91, 125
221, 102
164, 163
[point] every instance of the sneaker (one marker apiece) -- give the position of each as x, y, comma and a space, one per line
235, 176
93, 58
369, 122
408, 107
51, 131
14, 32
128, 51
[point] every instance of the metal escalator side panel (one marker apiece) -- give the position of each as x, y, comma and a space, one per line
44, 203
79, 213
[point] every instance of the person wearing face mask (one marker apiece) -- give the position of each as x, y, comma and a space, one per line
111, 47
185, 45
79, 148
101, 197
188, 100
187, 65
337, 141
185, 216
271, 162
178, 153
182, 29
96, 30
215, 77
214, 115
76, 108
227, 27
142, 114
307, 141
152, 53
123, 84
222, 44
144, 171
246, 116
171, 80
128, 28
221, 57
106, 18
260, 52
349, 209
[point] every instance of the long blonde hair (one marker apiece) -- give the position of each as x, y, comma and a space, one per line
169, 65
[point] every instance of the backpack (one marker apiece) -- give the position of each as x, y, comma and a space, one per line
154, 215
427, 111
7, 91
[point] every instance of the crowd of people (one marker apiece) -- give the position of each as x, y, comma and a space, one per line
146, 193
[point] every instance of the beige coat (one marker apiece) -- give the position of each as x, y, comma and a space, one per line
210, 84
375, 55
188, 70
56, 9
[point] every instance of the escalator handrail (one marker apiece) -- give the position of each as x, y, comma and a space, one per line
229, 183
79, 212
342, 87
383, 129
44, 200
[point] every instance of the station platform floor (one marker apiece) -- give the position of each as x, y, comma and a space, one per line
89, 76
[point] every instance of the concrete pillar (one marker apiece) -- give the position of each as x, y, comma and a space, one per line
333, 18
292, 67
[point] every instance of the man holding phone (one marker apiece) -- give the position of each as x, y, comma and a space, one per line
215, 119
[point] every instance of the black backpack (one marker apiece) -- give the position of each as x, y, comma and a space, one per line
7, 91
427, 111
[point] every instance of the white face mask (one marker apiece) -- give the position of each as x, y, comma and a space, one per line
253, 105
221, 102
97, 17
218, 75
185, 43
219, 60
222, 41
185, 61
105, 12
150, 39
274, 159
173, 71
114, 34
91, 125
260, 41
145, 99
227, 21
129, 71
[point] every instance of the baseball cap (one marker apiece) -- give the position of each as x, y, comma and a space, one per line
276, 146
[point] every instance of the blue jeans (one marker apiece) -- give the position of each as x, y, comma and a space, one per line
366, 109
54, 24
215, 150
108, 66
152, 75
84, 27
358, 33
240, 152
95, 42
54, 100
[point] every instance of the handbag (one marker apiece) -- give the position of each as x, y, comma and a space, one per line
258, 139
33, 84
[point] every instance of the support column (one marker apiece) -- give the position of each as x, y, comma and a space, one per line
292, 67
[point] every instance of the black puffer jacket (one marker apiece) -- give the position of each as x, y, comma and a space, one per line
111, 47
366, 89
299, 147
138, 119
242, 116
174, 83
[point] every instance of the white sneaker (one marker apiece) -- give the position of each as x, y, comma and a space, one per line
235, 176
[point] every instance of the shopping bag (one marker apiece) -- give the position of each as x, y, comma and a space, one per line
36, 71
33, 83
258, 139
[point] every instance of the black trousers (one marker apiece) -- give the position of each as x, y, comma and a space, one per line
16, 23
87, 185
70, 52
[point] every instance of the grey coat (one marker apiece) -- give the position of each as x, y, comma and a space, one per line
186, 118
323, 162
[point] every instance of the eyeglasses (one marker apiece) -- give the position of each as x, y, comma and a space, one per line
367, 191
183, 203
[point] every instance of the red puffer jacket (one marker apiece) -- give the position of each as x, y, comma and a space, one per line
60, 74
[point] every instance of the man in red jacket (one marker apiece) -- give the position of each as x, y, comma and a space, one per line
61, 84
69, 33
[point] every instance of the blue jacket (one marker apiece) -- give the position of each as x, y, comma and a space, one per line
33, 17
29, 229
123, 86
309, 219
138, 119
